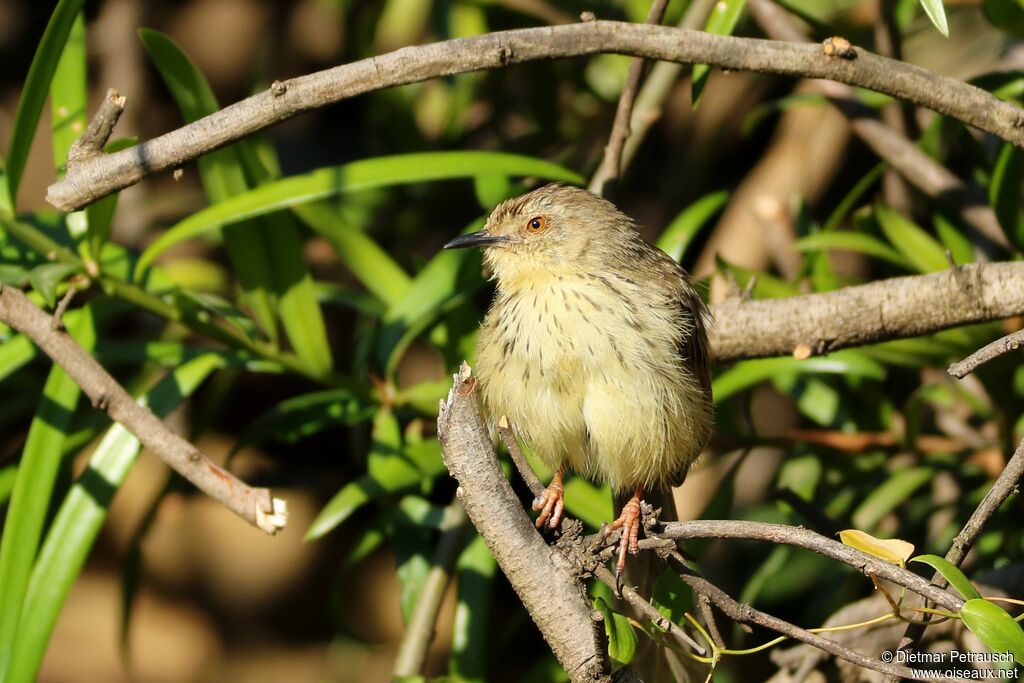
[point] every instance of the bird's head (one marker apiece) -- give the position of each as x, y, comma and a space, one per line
552, 231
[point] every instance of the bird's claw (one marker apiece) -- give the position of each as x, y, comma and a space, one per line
551, 504
629, 522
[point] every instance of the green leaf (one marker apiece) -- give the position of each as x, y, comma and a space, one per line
936, 12
475, 572
46, 277
747, 373
722, 21
672, 597
1004, 191
68, 95
994, 627
391, 469
33, 95
267, 253
923, 252
301, 416
892, 492
81, 515
356, 176
589, 502
677, 237
1008, 15
852, 241
951, 573
492, 189
954, 239
621, 637
30, 500
371, 265
847, 203
759, 113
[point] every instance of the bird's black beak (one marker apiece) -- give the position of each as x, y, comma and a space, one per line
481, 238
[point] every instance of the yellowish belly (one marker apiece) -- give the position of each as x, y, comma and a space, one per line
589, 390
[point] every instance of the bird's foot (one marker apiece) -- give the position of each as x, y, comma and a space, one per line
551, 504
629, 521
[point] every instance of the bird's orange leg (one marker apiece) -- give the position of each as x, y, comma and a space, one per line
629, 522
551, 504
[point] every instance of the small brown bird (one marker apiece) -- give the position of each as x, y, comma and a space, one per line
595, 348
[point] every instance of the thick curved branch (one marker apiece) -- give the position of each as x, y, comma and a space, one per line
541, 575
254, 505
99, 177
875, 312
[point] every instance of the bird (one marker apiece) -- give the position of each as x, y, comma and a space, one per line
594, 348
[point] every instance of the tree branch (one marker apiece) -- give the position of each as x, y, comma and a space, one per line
543, 578
255, 505
98, 177
805, 538
878, 311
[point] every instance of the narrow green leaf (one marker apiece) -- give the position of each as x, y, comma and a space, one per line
68, 94
492, 189
371, 265
356, 176
951, 573
892, 492
954, 239
1001, 634
301, 416
475, 572
847, 203
747, 373
677, 237
391, 469
722, 21
1004, 191
33, 95
81, 516
852, 241
937, 13
222, 176
37, 474
923, 252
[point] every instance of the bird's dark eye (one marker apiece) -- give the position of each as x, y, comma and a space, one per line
536, 224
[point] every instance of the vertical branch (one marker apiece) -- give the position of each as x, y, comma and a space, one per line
543, 578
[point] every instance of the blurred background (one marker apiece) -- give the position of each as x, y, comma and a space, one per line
759, 185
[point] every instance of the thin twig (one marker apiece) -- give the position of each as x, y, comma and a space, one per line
90, 143
706, 611
518, 459
1009, 343
607, 176
412, 651
57, 322
100, 176
255, 505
